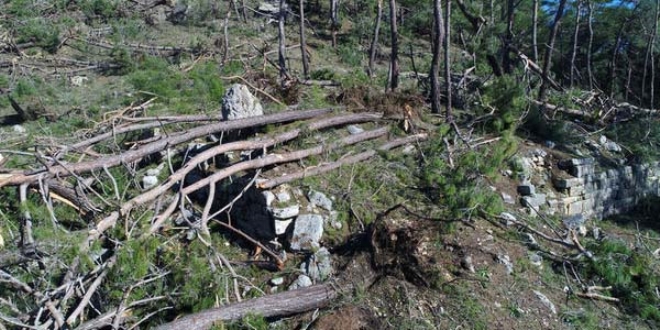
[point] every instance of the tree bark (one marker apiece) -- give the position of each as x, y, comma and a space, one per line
334, 20
438, 37
394, 56
652, 51
447, 39
508, 40
576, 31
590, 18
303, 41
535, 24
342, 162
374, 41
61, 170
282, 41
548, 51
279, 304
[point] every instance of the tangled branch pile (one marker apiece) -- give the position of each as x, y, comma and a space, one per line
116, 214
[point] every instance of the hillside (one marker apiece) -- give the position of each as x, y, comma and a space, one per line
185, 164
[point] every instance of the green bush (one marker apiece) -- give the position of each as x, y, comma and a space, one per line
463, 188
43, 33
507, 98
632, 274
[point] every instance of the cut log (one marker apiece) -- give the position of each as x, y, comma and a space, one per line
342, 162
61, 170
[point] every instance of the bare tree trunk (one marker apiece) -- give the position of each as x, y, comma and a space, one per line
576, 31
548, 51
506, 60
374, 41
282, 41
244, 10
535, 23
492, 11
590, 17
652, 38
447, 38
334, 19
303, 41
438, 36
394, 57
611, 84
225, 52
628, 79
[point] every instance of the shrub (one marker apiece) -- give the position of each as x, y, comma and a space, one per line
463, 188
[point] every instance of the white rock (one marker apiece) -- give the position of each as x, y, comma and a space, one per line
149, 181
301, 282
269, 196
285, 212
277, 281
78, 81
155, 171
546, 301
354, 129
283, 196
603, 139
320, 199
239, 103
506, 261
281, 226
508, 217
307, 232
19, 129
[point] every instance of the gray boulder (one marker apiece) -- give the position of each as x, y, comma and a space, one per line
318, 266
301, 282
320, 199
239, 103
307, 232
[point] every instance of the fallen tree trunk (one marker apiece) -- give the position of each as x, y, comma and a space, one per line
280, 304
16, 177
344, 161
582, 113
111, 219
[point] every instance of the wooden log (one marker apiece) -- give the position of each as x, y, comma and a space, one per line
342, 162
17, 177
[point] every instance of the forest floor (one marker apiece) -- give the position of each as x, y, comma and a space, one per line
78, 72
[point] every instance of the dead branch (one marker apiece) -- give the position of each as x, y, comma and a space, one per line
342, 162
18, 177
529, 64
90, 291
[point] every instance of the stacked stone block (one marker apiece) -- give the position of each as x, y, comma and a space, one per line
584, 189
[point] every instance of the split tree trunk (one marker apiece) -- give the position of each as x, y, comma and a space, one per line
590, 18
447, 38
535, 24
576, 31
374, 41
438, 36
394, 56
334, 20
282, 41
303, 41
